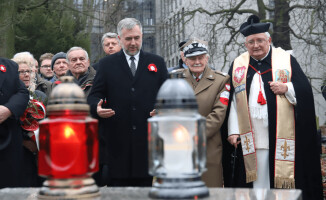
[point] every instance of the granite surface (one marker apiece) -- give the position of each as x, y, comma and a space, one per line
132, 193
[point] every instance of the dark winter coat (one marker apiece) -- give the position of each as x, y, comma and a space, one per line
123, 137
14, 96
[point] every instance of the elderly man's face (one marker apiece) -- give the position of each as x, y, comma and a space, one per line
197, 64
131, 40
258, 45
78, 63
111, 46
60, 67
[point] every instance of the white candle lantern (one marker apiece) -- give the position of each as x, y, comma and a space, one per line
177, 144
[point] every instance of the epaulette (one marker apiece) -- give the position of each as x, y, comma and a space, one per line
221, 73
178, 73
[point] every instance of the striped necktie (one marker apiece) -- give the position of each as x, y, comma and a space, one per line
133, 65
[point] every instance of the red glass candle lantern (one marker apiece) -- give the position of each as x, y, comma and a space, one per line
68, 140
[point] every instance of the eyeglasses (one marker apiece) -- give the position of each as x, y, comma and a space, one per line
258, 41
46, 66
24, 72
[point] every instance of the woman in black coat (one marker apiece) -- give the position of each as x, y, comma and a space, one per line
13, 101
37, 99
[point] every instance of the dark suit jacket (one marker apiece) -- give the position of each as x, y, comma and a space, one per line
14, 96
124, 135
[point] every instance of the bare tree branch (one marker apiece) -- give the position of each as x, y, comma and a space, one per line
25, 8
300, 7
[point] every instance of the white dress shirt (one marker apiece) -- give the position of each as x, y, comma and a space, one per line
129, 61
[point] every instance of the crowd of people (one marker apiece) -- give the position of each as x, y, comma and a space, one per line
263, 110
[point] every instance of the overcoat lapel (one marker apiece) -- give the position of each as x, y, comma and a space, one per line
2, 77
140, 67
125, 67
206, 80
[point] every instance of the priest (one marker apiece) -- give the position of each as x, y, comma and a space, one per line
272, 111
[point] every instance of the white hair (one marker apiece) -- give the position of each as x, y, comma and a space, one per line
268, 35
28, 58
74, 49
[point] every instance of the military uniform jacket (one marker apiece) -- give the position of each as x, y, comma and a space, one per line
212, 97
123, 137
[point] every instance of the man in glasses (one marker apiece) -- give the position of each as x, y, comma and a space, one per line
45, 70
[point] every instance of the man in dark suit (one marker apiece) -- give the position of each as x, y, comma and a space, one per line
13, 102
129, 81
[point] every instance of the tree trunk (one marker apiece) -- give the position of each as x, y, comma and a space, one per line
281, 31
261, 9
7, 36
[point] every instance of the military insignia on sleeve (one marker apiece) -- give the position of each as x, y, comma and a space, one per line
282, 75
239, 74
224, 97
3, 68
227, 87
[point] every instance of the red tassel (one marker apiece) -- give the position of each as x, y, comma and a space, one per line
261, 100
259, 97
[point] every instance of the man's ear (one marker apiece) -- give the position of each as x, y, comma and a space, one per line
186, 61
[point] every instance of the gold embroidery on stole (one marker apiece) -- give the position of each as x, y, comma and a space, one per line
285, 143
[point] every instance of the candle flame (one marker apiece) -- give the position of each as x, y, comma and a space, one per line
181, 134
68, 132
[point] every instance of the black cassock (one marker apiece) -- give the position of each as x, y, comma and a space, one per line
307, 150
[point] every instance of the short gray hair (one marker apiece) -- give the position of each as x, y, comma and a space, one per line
266, 33
73, 49
109, 35
128, 23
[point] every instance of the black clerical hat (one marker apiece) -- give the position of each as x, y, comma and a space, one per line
253, 26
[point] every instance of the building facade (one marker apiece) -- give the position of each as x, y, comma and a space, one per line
215, 22
108, 13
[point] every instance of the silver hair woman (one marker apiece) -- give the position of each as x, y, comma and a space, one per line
26, 59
